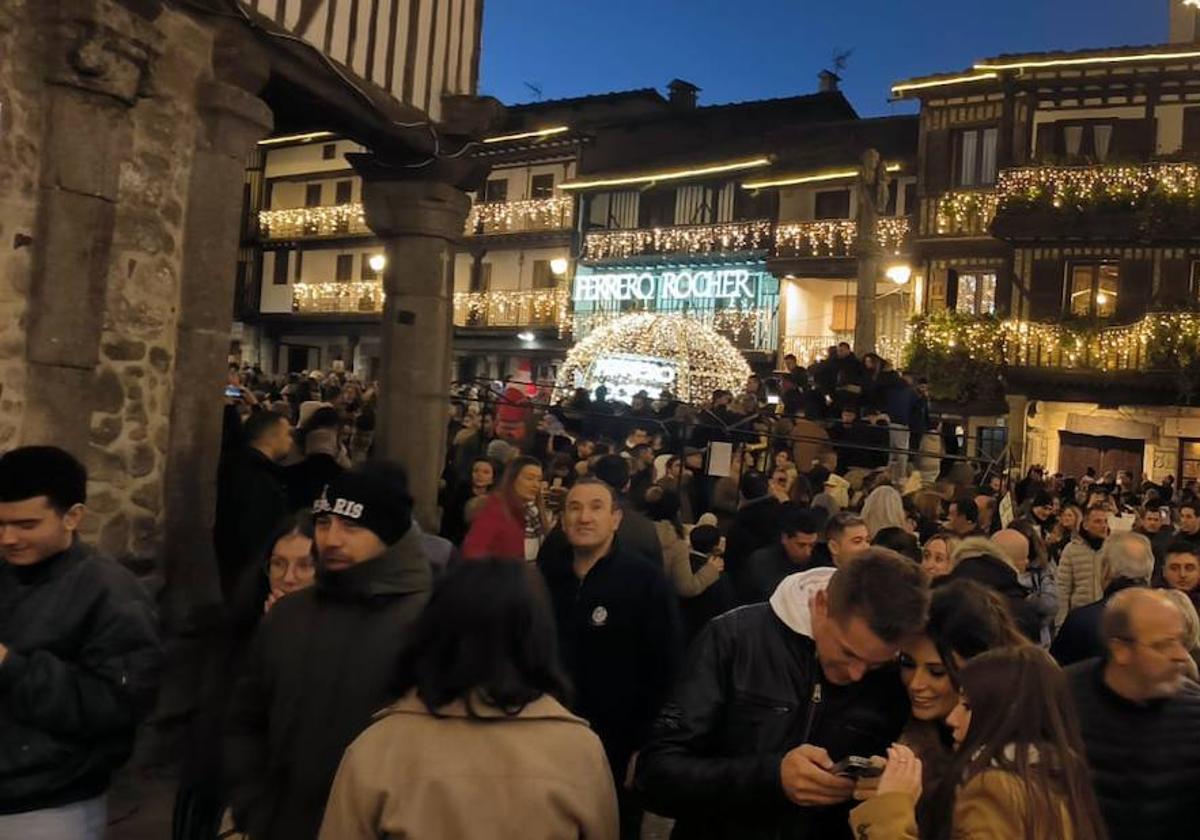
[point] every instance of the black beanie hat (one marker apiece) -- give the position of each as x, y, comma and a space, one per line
374, 495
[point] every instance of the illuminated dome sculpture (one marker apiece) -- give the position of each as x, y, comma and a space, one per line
653, 352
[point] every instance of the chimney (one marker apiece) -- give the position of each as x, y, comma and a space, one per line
827, 81
683, 94
1184, 19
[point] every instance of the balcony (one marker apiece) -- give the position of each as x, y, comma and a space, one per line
812, 348
538, 214
965, 213
337, 298
727, 237
536, 308
313, 222
1146, 201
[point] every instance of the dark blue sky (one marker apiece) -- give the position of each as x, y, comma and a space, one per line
753, 49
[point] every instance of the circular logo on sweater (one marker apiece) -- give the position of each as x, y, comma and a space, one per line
599, 617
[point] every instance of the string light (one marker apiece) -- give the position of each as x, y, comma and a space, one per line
966, 212
703, 359
513, 308
792, 180
553, 213
298, 222
528, 135
904, 87
690, 239
1084, 186
836, 237
365, 296
1092, 59
1160, 341
813, 348
669, 175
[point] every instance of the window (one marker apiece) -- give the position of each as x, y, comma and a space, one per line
344, 190
845, 314
1087, 141
280, 276
496, 190
542, 186
299, 265
832, 204
893, 198
365, 272
1093, 290
312, 195
656, 208
1189, 458
910, 199
481, 281
543, 277
975, 157
345, 268
329, 151
976, 293
990, 442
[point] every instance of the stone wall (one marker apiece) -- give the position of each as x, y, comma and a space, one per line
133, 384
20, 148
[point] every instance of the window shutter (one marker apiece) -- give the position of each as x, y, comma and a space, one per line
937, 161
1175, 289
1191, 129
1046, 290
1045, 144
1134, 139
1134, 298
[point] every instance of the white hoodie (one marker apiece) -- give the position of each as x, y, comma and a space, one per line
792, 600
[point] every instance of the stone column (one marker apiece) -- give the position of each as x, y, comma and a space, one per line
872, 200
231, 121
419, 223
97, 65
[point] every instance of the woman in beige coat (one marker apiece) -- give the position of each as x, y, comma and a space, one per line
478, 745
662, 506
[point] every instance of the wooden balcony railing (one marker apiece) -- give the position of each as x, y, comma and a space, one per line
309, 222
536, 214
1084, 187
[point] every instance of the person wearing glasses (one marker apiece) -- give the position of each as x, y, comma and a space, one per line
1140, 718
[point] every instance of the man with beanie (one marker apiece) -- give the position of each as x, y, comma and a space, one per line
324, 658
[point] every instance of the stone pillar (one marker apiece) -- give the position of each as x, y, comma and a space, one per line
872, 200
97, 65
231, 121
1018, 407
419, 223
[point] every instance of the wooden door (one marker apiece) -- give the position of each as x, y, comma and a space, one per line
1077, 452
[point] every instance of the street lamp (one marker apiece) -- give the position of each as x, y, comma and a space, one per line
526, 336
377, 262
899, 274
559, 266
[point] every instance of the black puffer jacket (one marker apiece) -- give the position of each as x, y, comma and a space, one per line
751, 691
323, 661
1145, 758
81, 671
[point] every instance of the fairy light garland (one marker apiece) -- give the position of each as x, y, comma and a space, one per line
745, 325
966, 212
684, 239
298, 222
1085, 186
1160, 341
836, 237
365, 296
704, 359
553, 213
513, 308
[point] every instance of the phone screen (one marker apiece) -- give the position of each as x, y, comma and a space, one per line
233, 391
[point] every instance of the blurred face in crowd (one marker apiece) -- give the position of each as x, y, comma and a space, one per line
675, 469
1152, 521
849, 416
780, 483
843, 351
984, 503
849, 544
1042, 512
1189, 523
276, 442
959, 524
1069, 519
528, 483
935, 558
799, 547
846, 647
291, 567
32, 530
483, 475
585, 449
783, 458
487, 425
1182, 571
1154, 659
925, 675
1096, 524
342, 543
590, 517
959, 719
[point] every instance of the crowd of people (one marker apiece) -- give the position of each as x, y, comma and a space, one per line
791, 612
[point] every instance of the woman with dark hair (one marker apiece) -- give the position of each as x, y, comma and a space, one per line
479, 745
1019, 770
513, 521
662, 507
454, 517
965, 619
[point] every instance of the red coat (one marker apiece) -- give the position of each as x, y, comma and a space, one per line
498, 533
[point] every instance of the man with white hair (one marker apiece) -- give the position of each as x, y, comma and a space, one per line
1127, 560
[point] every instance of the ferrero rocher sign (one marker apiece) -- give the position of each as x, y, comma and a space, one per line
705, 284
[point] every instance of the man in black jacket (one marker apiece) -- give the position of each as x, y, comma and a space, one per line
1140, 719
618, 628
774, 694
79, 654
251, 497
324, 658
1128, 561
755, 525
793, 552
